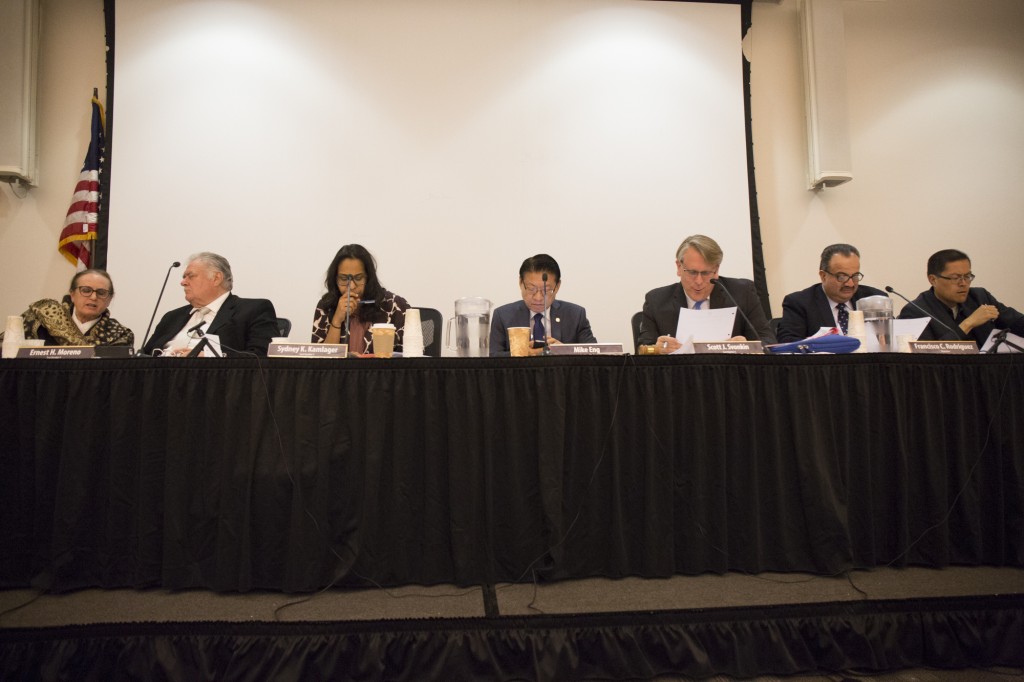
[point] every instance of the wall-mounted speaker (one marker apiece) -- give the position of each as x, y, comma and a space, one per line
19, 56
828, 117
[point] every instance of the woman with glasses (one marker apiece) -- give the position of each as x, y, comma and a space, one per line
81, 318
354, 301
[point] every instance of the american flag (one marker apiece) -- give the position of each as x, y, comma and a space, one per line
80, 224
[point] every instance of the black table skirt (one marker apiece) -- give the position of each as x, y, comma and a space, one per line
295, 474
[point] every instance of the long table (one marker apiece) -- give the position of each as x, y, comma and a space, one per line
291, 474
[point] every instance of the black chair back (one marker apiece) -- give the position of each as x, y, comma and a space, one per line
431, 321
635, 323
284, 326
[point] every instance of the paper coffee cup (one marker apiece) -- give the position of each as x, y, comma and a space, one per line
519, 341
383, 340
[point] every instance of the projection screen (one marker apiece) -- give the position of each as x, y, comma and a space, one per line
452, 138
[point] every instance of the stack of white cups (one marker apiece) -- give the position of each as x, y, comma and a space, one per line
14, 335
855, 328
412, 339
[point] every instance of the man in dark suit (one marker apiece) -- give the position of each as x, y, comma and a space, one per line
697, 261
568, 321
243, 325
968, 313
827, 304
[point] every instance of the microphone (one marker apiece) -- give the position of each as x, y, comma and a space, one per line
547, 314
1000, 340
204, 342
746, 319
348, 317
197, 328
940, 322
145, 339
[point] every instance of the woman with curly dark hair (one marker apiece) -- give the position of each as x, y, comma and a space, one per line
356, 300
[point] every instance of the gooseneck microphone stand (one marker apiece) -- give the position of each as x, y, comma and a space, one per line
547, 315
1001, 340
348, 312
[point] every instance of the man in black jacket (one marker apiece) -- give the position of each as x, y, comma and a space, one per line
827, 304
242, 325
967, 313
697, 261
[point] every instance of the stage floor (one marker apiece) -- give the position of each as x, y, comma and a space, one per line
29, 608
148, 615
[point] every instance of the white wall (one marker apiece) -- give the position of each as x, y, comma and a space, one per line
452, 138
937, 118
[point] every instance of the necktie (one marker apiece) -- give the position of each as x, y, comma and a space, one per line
198, 315
697, 305
538, 329
844, 318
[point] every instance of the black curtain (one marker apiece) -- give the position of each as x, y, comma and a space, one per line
293, 475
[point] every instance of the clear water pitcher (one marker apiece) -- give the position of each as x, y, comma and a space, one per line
472, 326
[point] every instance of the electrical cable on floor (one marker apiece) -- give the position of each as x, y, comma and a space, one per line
583, 498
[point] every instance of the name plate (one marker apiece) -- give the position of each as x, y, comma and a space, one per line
62, 352
728, 347
585, 348
944, 347
308, 350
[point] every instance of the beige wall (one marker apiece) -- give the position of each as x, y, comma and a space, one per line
71, 64
936, 90
937, 119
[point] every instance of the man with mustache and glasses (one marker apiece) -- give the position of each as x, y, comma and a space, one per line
827, 304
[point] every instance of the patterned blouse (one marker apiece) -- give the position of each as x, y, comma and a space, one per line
394, 307
51, 320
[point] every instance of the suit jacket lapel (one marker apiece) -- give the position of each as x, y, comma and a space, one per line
556, 323
718, 299
224, 315
822, 311
523, 316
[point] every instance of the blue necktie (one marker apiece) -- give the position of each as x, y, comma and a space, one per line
538, 329
844, 318
697, 305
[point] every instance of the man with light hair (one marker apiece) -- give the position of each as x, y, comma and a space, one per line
242, 325
697, 261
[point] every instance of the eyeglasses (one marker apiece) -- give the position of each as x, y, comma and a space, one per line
959, 279
100, 293
533, 291
694, 274
843, 278
358, 279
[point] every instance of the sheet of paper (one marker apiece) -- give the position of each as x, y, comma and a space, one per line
703, 325
909, 327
